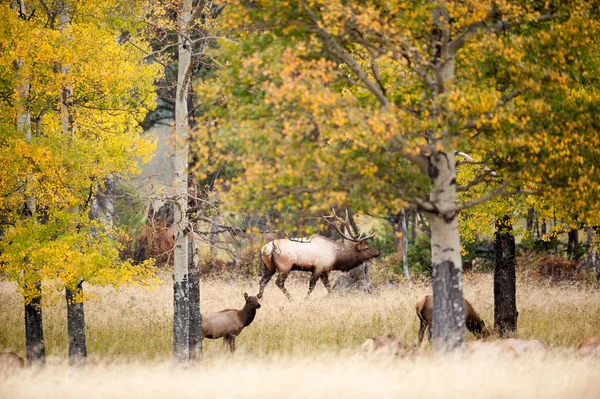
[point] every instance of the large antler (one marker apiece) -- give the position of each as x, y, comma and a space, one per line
357, 237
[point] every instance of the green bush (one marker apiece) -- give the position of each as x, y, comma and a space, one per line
419, 256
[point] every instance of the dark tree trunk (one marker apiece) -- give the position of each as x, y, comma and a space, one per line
505, 283
543, 227
35, 349
530, 218
572, 243
195, 315
448, 326
76, 327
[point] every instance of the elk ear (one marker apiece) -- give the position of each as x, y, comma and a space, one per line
245, 295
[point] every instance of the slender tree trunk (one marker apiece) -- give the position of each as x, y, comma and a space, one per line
592, 252
543, 227
76, 326
505, 282
66, 94
195, 334
413, 227
405, 250
573, 242
195, 315
448, 330
530, 218
181, 317
75, 309
35, 349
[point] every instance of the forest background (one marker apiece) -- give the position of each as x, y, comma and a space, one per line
454, 125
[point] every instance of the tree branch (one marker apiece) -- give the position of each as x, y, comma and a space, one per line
484, 25
338, 51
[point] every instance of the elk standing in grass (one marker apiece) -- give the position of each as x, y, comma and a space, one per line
316, 254
228, 323
424, 309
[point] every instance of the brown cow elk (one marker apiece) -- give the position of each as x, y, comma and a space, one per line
589, 346
424, 309
11, 361
316, 254
229, 323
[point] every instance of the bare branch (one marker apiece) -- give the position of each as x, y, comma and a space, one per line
486, 26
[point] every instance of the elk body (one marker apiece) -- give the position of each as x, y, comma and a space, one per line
228, 323
386, 345
492, 350
316, 254
11, 361
527, 346
424, 309
589, 346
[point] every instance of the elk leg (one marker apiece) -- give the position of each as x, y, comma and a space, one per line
226, 344
325, 280
422, 327
232, 344
313, 282
264, 280
281, 284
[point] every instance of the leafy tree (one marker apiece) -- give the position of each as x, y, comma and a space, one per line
86, 97
366, 103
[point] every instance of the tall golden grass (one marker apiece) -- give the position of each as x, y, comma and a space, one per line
304, 348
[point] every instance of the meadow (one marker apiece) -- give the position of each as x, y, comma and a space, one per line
306, 347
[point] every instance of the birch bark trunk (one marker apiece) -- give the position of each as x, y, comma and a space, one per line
448, 329
181, 317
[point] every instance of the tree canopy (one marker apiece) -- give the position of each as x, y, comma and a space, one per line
52, 237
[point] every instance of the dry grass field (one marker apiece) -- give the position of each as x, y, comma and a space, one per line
308, 348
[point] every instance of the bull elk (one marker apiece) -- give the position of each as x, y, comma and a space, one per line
229, 323
424, 309
316, 254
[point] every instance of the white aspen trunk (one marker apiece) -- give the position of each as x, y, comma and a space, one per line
35, 348
181, 320
448, 330
75, 308
66, 94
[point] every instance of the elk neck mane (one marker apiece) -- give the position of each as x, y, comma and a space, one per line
247, 314
346, 256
